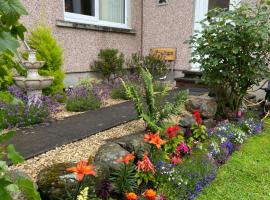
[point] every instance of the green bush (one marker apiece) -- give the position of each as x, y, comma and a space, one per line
48, 50
110, 63
156, 65
233, 50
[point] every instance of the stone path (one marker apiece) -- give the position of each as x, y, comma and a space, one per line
31, 142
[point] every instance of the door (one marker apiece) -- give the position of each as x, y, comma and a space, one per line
201, 9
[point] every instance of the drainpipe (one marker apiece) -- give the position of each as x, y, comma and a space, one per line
141, 27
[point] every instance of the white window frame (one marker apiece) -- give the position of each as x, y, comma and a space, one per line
162, 4
94, 20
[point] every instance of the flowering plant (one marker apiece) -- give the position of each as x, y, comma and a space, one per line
145, 170
198, 129
81, 170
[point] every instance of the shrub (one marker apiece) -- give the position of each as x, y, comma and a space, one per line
82, 99
233, 52
155, 64
110, 63
155, 110
42, 40
10, 31
119, 92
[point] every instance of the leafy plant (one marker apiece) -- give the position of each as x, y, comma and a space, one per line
110, 63
148, 104
8, 184
119, 92
82, 99
124, 178
233, 52
10, 31
48, 50
154, 63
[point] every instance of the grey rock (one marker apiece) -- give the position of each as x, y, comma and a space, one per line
109, 153
187, 120
53, 180
133, 143
210, 123
206, 105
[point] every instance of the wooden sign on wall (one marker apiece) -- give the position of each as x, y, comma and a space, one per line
169, 54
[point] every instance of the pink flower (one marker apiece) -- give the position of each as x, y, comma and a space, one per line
182, 147
176, 159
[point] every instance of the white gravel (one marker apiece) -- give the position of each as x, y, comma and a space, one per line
79, 150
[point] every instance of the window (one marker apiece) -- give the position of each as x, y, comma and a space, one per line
113, 13
218, 4
162, 2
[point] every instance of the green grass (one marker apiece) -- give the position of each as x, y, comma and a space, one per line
246, 176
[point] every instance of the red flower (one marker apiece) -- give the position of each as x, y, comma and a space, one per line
198, 118
82, 169
145, 164
176, 159
154, 139
172, 131
125, 159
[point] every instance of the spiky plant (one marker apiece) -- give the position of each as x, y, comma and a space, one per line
147, 103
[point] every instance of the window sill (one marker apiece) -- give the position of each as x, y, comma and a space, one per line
76, 25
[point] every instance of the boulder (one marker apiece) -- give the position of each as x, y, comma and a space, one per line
187, 120
207, 106
53, 180
109, 153
133, 143
210, 123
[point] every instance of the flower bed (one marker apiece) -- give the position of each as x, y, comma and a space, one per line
174, 163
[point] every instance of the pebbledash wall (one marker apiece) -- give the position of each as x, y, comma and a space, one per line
169, 26
81, 45
161, 26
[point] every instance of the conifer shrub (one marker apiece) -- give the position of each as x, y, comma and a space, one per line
41, 39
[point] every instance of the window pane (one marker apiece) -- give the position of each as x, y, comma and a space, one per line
218, 4
112, 10
84, 7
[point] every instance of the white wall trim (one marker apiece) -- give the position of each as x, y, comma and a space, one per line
94, 20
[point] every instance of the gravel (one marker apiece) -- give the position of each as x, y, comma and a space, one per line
80, 150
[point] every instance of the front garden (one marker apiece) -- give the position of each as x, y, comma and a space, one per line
180, 147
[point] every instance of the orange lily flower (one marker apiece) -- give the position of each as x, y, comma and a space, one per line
154, 139
82, 169
150, 194
131, 196
145, 164
127, 158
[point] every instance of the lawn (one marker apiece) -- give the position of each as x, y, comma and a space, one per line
247, 173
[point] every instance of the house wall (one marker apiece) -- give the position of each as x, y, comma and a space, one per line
82, 46
169, 26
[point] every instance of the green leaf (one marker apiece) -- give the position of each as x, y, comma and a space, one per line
28, 188
12, 7
7, 42
7, 136
13, 155
4, 194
